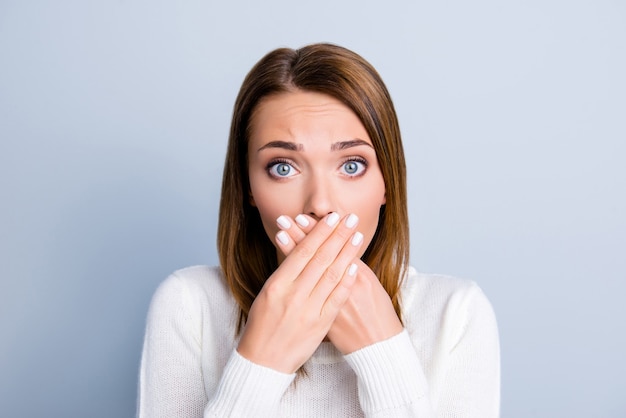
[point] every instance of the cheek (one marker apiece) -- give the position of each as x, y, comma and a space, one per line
368, 223
367, 206
271, 203
265, 204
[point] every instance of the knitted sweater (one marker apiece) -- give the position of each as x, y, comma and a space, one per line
445, 363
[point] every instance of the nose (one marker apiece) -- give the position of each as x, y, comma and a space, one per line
319, 199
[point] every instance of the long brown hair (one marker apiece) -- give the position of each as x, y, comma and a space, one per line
247, 255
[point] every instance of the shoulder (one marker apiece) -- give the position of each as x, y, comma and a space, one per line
194, 278
418, 286
444, 299
191, 288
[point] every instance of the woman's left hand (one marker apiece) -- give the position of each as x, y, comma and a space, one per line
368, 316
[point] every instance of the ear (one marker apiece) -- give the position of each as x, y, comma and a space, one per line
384, 202
251, 200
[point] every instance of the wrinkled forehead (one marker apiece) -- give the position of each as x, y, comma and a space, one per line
282, 117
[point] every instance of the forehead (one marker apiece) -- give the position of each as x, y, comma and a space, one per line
294, 113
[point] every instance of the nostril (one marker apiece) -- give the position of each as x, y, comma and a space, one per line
314, 216
317, 216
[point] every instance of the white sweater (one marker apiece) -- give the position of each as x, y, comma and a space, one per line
444, 364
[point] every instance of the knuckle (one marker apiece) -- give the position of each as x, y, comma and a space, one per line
304, 251
344, 233
322, 258
273, 290
332, 275
337, 299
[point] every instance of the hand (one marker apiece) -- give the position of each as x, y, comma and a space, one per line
368, 316
301, 299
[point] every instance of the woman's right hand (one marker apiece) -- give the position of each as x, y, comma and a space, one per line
300, 300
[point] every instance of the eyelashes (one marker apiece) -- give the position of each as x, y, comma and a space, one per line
354, 166
282, 168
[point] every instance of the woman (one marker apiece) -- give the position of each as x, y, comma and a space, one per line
314, 311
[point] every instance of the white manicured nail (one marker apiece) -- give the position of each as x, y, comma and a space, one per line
357, 238
283, 222
332, 219
283, 237
352, 220
302, 221
352, 269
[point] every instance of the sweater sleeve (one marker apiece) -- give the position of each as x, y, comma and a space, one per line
248, 390
391, 382
466, 376
171, 383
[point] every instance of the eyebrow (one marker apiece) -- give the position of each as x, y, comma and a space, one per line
336, 146
291, 146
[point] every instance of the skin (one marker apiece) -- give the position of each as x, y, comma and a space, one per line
319, 179
310, 159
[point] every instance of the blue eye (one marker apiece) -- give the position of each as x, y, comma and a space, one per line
281, 169
354, 168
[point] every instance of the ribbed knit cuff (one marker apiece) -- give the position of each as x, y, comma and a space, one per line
248, 389
389, 374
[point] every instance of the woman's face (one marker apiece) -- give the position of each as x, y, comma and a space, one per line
309, 153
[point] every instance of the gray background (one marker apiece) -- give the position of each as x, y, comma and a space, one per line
113, 124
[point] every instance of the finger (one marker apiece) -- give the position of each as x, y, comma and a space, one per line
332, 258
300, 256
340, 293
336, 272
305, 222
296, 231
292, 227
284, 242
318, 250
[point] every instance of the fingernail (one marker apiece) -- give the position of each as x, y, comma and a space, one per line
357, 238
332, 219
302, 221
352, 269
352, 220
283, 237
283, 222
